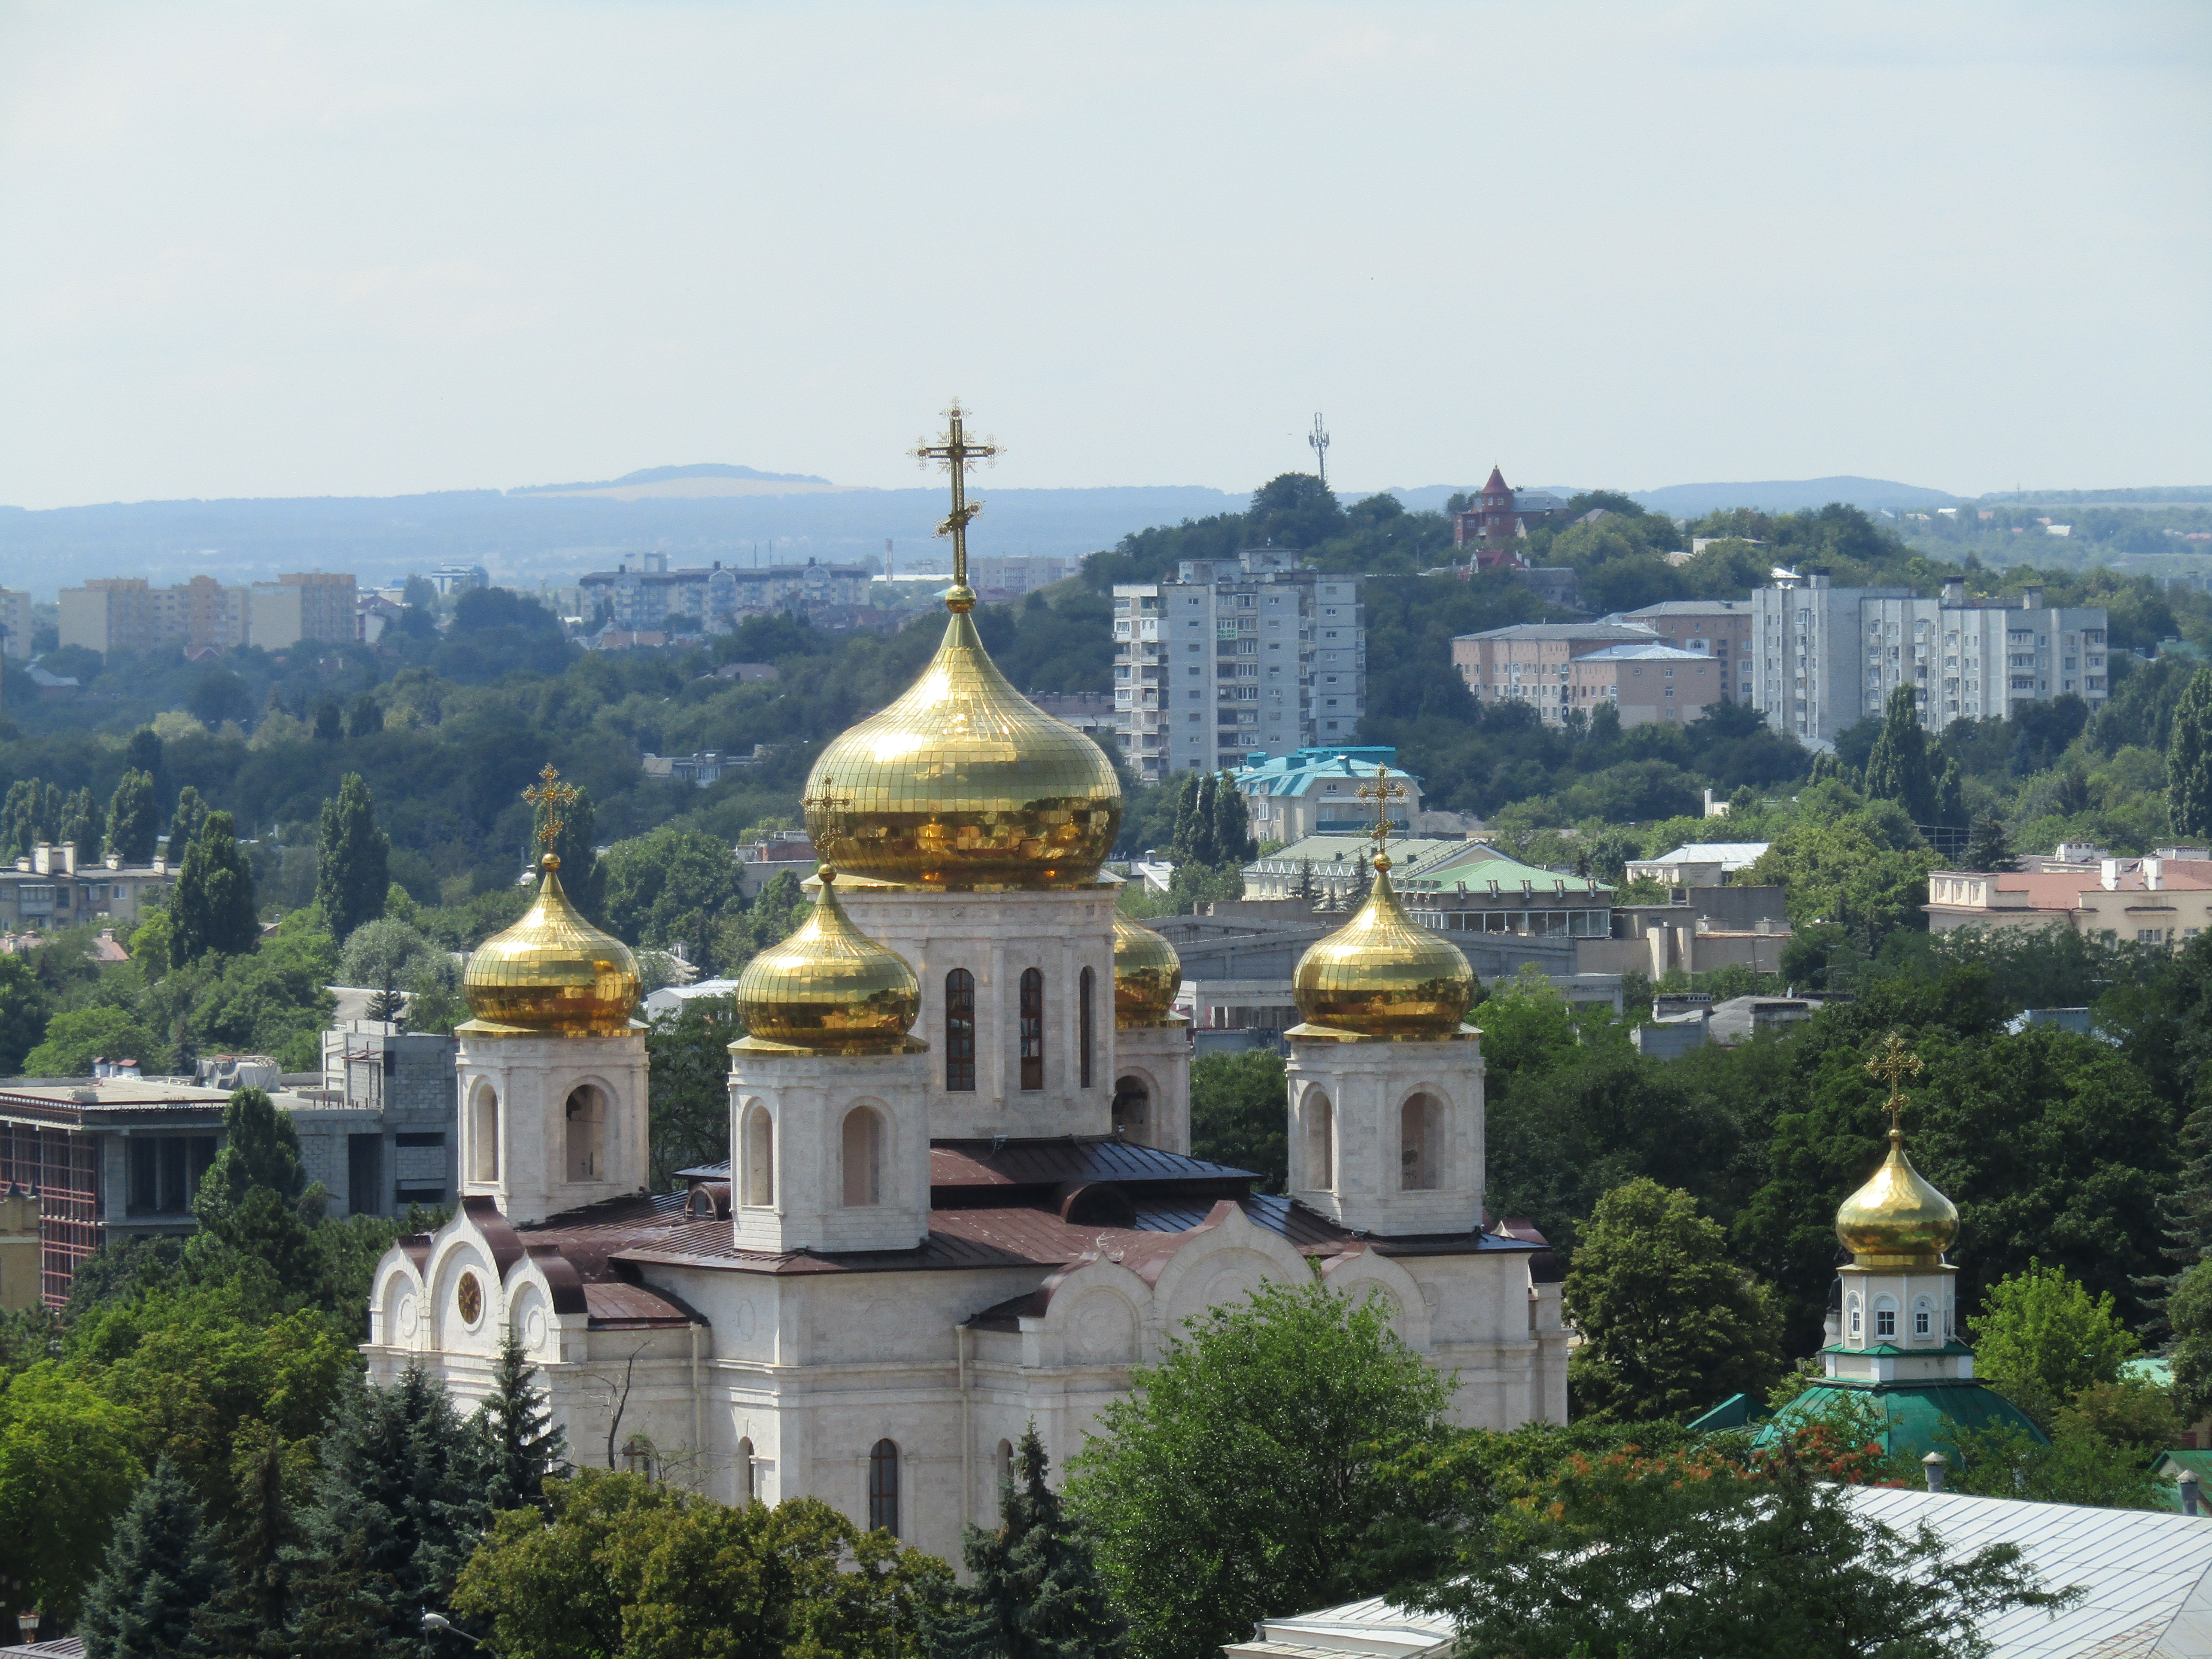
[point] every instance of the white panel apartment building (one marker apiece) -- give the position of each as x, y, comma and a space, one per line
1827, 656
1236, 657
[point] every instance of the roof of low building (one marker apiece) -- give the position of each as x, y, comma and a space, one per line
1406, 855
1624, 632
1643, 653
1730, 855
1476, 864
1682, 608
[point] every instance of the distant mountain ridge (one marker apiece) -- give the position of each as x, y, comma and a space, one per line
653, 474
1694, 500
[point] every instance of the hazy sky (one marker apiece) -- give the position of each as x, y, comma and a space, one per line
300, 249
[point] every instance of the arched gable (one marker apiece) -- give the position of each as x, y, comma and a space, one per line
1225, 1258
1356, 1273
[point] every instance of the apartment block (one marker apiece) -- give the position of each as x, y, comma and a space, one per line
1827, 656
14, 622
308, 605
1719, 629
127, 613
1563, 668
642, 591
1234, 658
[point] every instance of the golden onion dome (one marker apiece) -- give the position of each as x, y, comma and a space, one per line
552, 973
1382, 974
963, 782
1147, 974
1897, 1220
830, 987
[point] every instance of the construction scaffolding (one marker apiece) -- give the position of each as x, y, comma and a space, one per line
64, 1170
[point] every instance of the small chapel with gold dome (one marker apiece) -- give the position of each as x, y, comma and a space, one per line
961, 1195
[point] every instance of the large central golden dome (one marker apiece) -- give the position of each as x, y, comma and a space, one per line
963, 782
552, 973
1382, 976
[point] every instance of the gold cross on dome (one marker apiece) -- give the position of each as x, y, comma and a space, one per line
955, 452
1894, 1063
1381, 792
555, 797
825, 800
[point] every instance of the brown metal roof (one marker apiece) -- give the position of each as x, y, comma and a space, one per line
1064, 1158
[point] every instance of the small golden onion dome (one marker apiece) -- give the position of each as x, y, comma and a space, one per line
553, 972
963, 782
830, 987
1897, 1220
1147, 974
1382, 974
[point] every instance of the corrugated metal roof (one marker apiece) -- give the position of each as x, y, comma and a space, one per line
1031, 1163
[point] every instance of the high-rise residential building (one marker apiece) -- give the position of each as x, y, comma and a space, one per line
305, 605
643, 592
1827, 656
14, 622
1234, 657
127, 613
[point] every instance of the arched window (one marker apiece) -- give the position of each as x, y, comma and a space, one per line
1854, 1306
1924, 1317
883, 1487
1002, 1462
863, 1153
1083, 1030
483, 1135
960, 1031
759, 1186
1320, 1144
1420, 1133
745, 1494
1032, 1013
1133, 1111
1885, 1318
586, 1131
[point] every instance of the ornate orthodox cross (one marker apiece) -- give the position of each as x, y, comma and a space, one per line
1381, 792
553, 798
825, 800
1894, 1063
956, 454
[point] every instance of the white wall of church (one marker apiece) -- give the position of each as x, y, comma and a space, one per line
551, 1123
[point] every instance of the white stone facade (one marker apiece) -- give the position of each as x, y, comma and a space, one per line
551, 1123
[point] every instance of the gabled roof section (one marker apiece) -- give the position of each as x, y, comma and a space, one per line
1603, 633
1477, 863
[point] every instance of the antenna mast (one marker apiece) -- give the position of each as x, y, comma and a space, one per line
1318, 438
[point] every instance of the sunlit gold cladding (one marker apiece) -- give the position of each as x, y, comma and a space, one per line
553, 971
1147, 974
963, 782
1897, 1220
829, 987
1382, 974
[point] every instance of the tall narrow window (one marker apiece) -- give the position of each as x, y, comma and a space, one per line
587, 1127
1003, 1462
759, 1188
883, 1487
1320, 1144
484, 1136
1083, 1030
744, 1471
1132, 1110
960, 1031
1032, 1014
1421, 1150
864, 1156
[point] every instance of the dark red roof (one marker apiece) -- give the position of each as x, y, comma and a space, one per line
1496, 486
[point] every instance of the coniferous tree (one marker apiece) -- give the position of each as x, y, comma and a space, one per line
163, 1568
398, 1505
365, 717
525, 1444
1989, 848
186, 823
329, 722
1232, 823
1898, 769
131, 819
1034, 1592
353, 860
2189, 759
255, 1201
1305, 887
1950, 797
80, 824
248, 1619
144, 753
1203, 847
212, 912
577, 847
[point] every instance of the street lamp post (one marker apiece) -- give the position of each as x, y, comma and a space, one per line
434, 1623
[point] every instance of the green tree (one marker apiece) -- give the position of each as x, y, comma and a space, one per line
162, 1571
1033, 1591
25, 1007
690, 1089
353, 860
617, 1564
383, 956
1239, 1113
2189, 759
80, 823
212, 910
1899, 768
1305, 1394
67, 1470
671, 887
75, 1037
398, 1505
2041, 1338
1857, 867
526, 1444
1669, 1324
263, 1540
131, 818
1988, 848
1232, 824
2189, 1315
1684, 1553
185, 823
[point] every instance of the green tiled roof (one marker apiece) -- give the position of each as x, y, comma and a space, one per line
1737, 1411
1917, 1414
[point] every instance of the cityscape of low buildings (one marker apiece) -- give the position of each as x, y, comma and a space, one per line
49, 889
640, 594
2163, 900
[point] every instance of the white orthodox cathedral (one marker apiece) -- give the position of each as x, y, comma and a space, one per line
961, 1196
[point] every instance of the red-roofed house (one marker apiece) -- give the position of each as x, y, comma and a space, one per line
2152, 901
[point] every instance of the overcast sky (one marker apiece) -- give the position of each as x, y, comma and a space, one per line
290, 249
